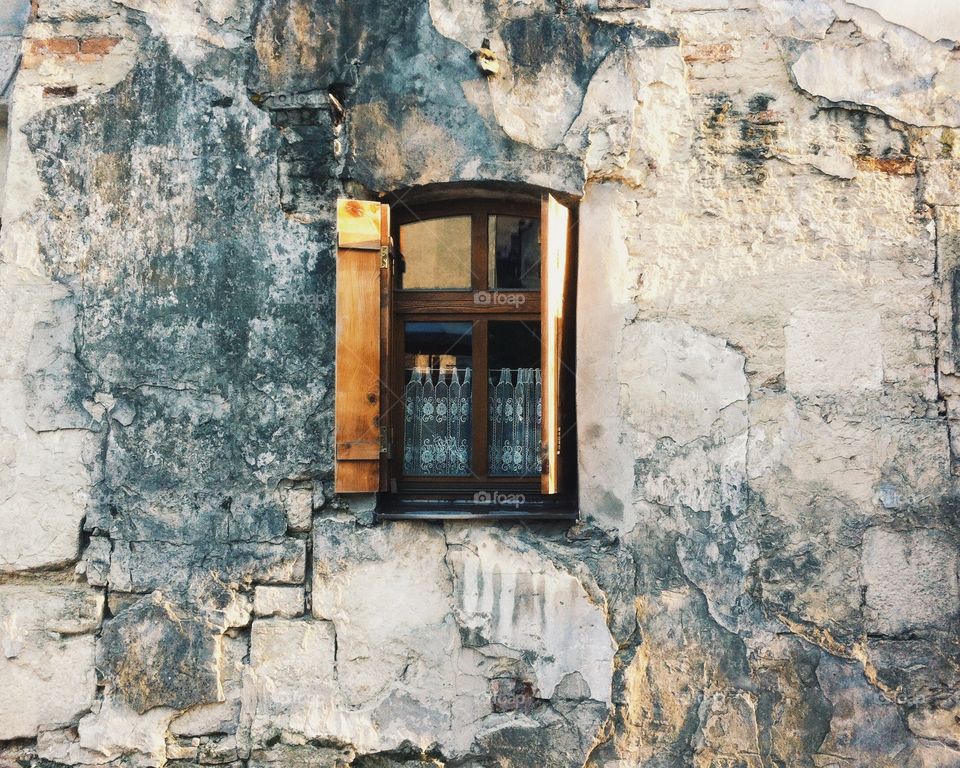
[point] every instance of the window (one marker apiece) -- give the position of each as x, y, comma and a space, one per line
454, 385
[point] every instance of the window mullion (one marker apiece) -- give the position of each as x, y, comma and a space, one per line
480, 398
479, 268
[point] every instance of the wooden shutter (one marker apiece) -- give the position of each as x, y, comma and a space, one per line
555, 260
363, 320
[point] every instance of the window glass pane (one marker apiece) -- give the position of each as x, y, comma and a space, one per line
515, 414
436, 253
513, 252
437, 416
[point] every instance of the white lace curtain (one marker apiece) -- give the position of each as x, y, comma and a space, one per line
438, 423
516, 416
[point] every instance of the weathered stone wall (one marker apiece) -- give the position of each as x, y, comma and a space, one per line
765, 573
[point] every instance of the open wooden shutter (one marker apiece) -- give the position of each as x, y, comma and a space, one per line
554, 264
363, 318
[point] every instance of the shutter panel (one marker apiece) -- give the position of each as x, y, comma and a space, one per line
363, 235
554, 264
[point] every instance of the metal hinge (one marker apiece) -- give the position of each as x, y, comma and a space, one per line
385, 440
384, 256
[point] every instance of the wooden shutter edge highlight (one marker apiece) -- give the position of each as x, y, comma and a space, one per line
386, 334
358, 441
555, 244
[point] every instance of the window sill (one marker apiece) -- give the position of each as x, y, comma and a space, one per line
559, 510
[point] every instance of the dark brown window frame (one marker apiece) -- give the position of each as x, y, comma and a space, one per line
456, 498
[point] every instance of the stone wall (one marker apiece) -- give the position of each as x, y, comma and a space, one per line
765, 569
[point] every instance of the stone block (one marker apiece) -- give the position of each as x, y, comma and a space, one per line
163, 565
46, 656
301, 756
291, 683
910, 578
299, 504
96, 561
222, 716
45, 489
61, 746
278, 601
831, 351
114, 730
941, 182
158, 653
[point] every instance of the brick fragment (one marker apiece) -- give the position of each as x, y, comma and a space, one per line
55, 45
711, 52
99, 45
896, 166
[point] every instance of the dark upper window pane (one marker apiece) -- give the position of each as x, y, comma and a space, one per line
436, 253
513, 252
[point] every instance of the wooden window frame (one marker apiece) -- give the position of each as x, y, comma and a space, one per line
447, 498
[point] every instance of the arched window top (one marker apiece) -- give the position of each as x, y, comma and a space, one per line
494, 192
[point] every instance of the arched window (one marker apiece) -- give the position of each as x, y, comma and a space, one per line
454, 354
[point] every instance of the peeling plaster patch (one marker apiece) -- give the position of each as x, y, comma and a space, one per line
677, 379
865, 728
44, 484
890, 68
183, 24
729, 732
546, 61
934, 19
479, 607
522, 601
624, 111
800, 19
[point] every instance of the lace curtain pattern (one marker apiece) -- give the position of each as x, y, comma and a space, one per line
516, 416
437, 423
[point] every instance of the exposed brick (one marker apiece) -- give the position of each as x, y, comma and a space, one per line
764, 117
57, 45
897, 166
711, 52
98, 44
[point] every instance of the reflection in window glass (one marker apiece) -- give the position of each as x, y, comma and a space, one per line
513, 252
515, 410
436, 253
437, 401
